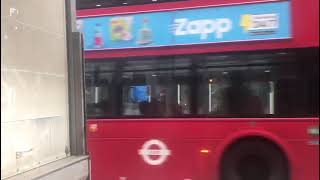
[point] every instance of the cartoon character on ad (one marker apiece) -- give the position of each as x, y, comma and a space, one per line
120, 28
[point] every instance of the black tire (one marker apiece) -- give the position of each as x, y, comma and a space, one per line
254, 159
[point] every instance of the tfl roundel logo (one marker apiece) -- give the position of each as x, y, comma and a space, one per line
154, 152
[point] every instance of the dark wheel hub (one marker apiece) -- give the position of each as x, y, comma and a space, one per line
253, 168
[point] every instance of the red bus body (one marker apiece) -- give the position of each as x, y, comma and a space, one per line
196, 145
113, 147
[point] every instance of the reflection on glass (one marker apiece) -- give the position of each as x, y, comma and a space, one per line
234, 85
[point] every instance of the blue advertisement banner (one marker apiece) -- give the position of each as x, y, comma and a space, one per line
249, 22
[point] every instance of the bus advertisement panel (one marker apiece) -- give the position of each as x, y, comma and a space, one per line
250, 22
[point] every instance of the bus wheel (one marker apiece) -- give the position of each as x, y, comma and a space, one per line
254, 159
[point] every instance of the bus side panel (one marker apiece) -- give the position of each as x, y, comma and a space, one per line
115, 147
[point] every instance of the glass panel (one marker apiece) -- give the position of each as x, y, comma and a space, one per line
232, 92
34, 98
155, 94
251, 84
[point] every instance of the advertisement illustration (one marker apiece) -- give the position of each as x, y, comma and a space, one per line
120, 28
145, 36
249, 22
79, 25
98, 39
260, 23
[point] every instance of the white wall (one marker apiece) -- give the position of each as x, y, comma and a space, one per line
34, 99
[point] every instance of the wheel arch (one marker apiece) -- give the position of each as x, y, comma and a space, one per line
233, 139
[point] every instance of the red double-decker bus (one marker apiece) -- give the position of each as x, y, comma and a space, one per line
202, 90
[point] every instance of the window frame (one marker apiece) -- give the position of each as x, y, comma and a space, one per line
75, 64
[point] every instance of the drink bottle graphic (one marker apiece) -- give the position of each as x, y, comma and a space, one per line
145, 36
98, 40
